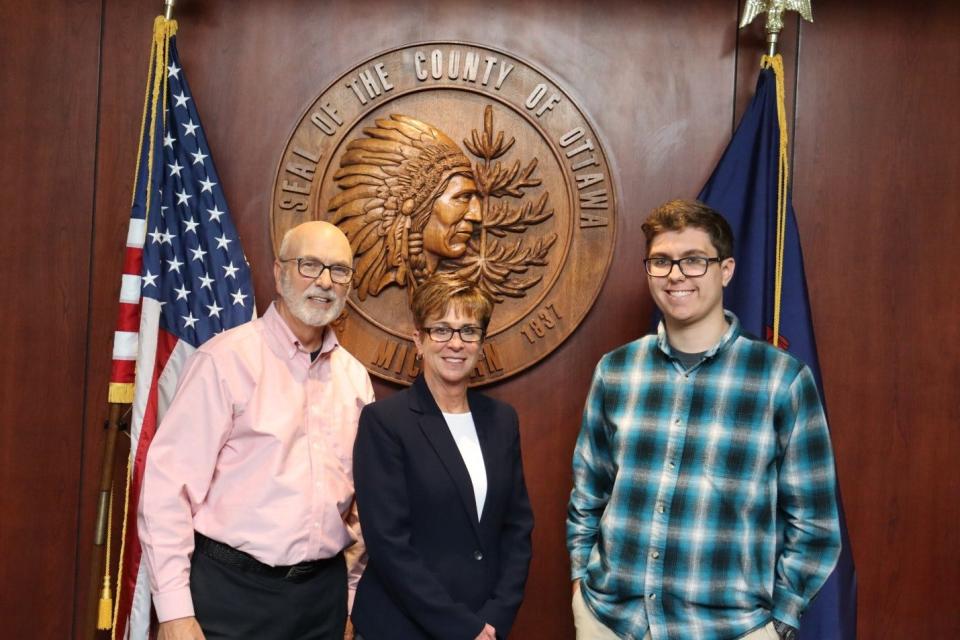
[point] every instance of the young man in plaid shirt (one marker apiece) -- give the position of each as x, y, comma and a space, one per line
703, 505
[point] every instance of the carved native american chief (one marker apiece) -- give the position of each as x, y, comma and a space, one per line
408, 202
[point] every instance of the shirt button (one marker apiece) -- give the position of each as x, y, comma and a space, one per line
316, 445
477, 555
314, 410
316, 525
676, 421
672, 465
655, 555
661, 508
653, 596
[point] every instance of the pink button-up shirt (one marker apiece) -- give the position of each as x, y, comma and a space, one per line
256, 451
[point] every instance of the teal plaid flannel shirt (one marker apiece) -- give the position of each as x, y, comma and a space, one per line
703, 500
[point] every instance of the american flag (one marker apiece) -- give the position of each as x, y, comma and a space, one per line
185, 280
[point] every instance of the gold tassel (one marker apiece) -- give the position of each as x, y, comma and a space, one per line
105, 612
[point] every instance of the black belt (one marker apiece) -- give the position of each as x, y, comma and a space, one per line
229, 556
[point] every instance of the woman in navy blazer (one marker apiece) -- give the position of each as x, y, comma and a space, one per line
440, 490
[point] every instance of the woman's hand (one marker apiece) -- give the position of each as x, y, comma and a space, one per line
488, 633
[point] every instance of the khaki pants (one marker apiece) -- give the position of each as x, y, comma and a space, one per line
589, 628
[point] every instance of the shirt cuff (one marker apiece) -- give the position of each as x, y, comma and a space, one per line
787, 606
578, 564
171, 605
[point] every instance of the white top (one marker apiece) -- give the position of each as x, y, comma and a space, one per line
464, 433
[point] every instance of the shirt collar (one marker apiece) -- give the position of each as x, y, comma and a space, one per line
733, 331
288, 342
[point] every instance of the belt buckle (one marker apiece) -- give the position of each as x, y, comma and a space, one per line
296, 571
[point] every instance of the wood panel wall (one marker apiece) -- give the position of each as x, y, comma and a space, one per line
877, 195
873, 93
48, 137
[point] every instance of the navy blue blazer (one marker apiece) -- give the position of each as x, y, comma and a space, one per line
435, 571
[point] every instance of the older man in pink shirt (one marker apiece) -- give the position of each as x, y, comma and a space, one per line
248, 505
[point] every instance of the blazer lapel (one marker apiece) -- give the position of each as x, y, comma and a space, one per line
435, 429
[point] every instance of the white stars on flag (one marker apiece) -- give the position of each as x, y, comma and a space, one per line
198, 254
193, 265
149, 279
160, 237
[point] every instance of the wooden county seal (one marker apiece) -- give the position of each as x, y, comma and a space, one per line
448, 156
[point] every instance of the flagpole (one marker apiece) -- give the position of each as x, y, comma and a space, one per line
98, 559
168, 9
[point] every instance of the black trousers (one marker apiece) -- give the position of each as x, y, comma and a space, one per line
231, 603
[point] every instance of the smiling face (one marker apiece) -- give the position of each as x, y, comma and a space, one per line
451, 219
313, 302
689, 303
448, 364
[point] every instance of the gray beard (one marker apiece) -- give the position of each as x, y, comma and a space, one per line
300, 306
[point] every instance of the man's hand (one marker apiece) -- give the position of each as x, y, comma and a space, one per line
348, 630
180, 629
488, 633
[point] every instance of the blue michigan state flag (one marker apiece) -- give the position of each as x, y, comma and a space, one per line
744, 188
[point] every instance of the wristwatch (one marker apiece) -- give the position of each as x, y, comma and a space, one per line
785, 631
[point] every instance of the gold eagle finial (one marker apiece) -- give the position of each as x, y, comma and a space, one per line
774, 10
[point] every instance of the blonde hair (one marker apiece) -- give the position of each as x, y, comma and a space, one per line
444, 291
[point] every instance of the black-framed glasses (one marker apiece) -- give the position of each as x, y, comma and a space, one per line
310, 268
691, 266
469, 333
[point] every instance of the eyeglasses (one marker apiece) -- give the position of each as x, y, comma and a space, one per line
468, 333
691, 266
313, 269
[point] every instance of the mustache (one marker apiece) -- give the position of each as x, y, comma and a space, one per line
316, 290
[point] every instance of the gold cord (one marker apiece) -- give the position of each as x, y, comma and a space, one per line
153, 103
783, 180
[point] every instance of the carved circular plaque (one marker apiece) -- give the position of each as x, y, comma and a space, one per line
449, 156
